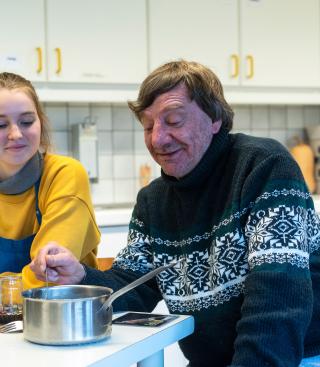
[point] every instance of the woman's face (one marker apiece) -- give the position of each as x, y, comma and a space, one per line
20, 131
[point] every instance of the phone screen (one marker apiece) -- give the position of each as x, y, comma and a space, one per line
143, 319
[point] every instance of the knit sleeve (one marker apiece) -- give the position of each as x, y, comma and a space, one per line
281, 231
131, 263
137, 256
143, 298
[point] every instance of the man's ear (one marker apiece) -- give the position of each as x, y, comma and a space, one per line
216, 125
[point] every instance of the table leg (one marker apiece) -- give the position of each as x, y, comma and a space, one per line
155, 360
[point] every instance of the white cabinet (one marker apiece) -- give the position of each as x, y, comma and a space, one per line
96, 41
115, 43
280, 42
80, 41
22, 38
246, 42
203, 30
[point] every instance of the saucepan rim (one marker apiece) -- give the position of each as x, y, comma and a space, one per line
108, 291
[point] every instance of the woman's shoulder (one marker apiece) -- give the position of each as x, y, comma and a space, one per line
56, 162
62, 168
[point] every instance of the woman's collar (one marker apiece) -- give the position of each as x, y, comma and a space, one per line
25, 178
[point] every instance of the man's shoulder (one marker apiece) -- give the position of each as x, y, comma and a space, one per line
257, 146
153, 189
155, 184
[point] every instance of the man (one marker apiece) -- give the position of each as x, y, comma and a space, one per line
234, 211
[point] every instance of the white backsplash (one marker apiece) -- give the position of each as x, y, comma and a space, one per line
121, 147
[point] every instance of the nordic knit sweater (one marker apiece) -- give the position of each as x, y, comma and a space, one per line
242, 225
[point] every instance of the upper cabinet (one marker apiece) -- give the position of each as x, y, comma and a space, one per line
205, 31
280, 43
246, 42
270, 44
22, 38
96, 41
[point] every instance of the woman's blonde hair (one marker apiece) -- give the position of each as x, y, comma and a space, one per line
12, 81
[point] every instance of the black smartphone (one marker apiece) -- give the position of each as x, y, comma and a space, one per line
143, 319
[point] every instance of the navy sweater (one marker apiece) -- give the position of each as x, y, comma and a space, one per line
243, 227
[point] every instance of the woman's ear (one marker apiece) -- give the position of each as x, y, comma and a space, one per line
216, 125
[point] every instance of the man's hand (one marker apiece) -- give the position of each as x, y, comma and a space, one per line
62, 266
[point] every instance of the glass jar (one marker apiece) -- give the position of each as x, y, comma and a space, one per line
10, 298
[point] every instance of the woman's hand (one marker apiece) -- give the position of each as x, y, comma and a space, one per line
61, 265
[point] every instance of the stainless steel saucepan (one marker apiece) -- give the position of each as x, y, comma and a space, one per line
72, 314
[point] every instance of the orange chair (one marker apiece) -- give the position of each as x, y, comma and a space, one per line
105, 263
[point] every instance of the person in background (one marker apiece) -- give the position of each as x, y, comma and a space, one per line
234, 213
43, 197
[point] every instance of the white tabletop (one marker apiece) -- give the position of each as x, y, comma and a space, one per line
125, 346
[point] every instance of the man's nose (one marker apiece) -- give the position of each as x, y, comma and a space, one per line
14, 132
160, 135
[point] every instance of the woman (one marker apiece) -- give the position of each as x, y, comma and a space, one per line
43, 197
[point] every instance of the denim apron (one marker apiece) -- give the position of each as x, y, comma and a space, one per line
15, 254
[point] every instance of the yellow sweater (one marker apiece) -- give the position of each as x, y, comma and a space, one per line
67, 213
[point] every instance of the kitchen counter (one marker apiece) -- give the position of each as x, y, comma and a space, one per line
113, 224
125, 346
316, 200
113, 216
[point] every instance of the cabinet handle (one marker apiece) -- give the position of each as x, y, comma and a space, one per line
39, 53
235, 63
250, 62
59, 60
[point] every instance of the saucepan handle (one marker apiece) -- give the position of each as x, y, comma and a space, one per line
132, 285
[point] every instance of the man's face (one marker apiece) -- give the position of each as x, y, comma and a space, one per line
177, 132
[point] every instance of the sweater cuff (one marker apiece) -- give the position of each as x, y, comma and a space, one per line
83, 280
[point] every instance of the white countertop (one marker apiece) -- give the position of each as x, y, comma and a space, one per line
122, 216
113, 216
316, 200
125, 346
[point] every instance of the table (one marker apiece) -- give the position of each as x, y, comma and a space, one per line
126, 345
